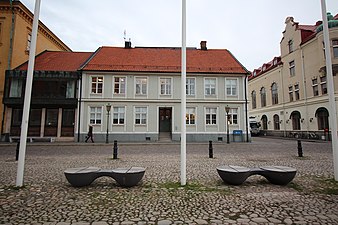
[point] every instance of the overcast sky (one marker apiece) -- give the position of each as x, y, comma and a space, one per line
250, 29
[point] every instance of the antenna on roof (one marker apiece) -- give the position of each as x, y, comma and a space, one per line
125, 35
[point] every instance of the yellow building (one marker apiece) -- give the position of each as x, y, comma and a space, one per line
15, 37
289, 94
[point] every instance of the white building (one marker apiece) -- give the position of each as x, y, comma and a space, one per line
142, 86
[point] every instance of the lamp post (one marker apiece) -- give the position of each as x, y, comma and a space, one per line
108, 107
227, 109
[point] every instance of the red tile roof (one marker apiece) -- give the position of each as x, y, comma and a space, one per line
58, 61
144, 59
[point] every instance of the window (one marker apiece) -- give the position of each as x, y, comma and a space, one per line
292, 68
323, 85
118, 115
141, 86
315, 86
190, 86
290, 45
210, 86
276, 122
165, 84
190, 116
295, 118
263, 97
274, 93
95, 115
119, 85
253, 99
335, 48
296, 92
231, 86
233, 116
29, 40
210, 116
96, 84
70, 90
322, 118
290, 93
141, 115
16, 88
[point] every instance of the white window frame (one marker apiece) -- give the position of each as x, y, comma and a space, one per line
323, 84
121, 83
297, 94
233, 112
97, 83
335, 48
209, 111
168, 86
292, 68
315, 86
121, 114
143, 116
290, 46
139, 81
233, 89
29, 41
189, 112
210, 86
191, 86
291, 99
98, 115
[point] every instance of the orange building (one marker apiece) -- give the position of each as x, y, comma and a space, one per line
15, 37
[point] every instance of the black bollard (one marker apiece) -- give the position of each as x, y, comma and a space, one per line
211, 154
115, 150
300, 149
17, 151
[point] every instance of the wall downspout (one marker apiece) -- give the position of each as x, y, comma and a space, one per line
283, 100
9, 62
246, 107
305, 92
79, 110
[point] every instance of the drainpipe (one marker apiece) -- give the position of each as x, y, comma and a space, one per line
305, 92
79, 109
9, 62
283, 100
246, 107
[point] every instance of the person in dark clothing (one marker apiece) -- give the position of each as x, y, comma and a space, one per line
90, 134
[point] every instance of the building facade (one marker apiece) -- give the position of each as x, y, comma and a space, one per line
288, 95
134, 94
15, 37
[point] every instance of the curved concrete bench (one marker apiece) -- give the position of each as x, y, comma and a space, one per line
236, 175
125, 177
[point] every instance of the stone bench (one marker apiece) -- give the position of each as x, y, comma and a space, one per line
236, 175
125, 177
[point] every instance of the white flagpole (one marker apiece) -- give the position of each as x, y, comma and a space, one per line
27, 102
183, 99
330, 87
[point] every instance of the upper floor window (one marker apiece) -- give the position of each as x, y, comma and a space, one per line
263, 96
211, 116
297, 92
290, 93
323, 85
118, 115
233, 116
190, 116
274, 93
210, 86
231, 86
292, 68
335, 48
29, 40
96, 84
119, 85
141, 115
16, 88
165, 85
290, 46
95, 115
253, 99
190, 86
315, 86
141, 86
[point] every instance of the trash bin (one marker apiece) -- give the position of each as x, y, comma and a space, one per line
237, 135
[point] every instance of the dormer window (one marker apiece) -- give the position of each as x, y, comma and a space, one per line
275, 62
264, 67
290, 45
254, 73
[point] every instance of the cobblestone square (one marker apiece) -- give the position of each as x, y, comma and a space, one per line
47, 198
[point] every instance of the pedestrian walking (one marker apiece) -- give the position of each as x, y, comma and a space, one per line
90, 134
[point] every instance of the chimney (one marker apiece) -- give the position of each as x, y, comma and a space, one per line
203, 45
127, 44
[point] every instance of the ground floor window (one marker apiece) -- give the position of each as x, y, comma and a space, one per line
211, 116
322, 118
276, 122
295, 118
95, 115
265, 122
190, 116
141, 115
118, 115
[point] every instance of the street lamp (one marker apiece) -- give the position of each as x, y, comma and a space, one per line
227, 109
108, 107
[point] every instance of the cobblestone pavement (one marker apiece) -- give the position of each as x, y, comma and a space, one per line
47, 198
